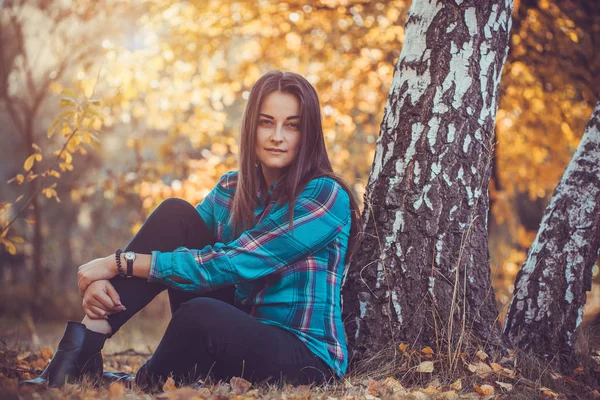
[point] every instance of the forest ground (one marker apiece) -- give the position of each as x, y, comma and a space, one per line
26, 348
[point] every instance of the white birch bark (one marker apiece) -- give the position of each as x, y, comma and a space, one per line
426, 203
550, 289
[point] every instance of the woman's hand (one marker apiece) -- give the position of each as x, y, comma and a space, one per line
95, 270
100, 300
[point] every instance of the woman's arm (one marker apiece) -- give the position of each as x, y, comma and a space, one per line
106, 268
321, 212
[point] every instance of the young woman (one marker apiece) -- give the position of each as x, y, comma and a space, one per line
253, 273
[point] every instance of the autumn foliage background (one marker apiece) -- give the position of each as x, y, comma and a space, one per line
173, 79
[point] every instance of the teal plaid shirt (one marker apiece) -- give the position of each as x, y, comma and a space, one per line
288, 279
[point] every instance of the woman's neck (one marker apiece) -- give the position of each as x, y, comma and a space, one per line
269, 175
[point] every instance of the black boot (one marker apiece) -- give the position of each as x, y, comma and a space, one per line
78, 354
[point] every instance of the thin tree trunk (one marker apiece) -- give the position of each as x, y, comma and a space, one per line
422, 275
550, 289
36, 255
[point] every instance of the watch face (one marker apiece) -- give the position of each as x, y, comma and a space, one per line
130, 256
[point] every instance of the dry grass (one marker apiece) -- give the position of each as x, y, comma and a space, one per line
390, 373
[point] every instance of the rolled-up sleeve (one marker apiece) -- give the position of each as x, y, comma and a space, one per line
321, 211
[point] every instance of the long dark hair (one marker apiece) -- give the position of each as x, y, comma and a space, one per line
311, 161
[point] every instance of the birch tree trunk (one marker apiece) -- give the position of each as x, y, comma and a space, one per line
550, 289
422, 275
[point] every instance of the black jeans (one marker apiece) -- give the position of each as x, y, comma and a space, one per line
207, 334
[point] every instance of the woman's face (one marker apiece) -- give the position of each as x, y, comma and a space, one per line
278, 133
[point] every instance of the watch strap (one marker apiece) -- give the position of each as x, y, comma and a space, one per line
130, 268
119, 266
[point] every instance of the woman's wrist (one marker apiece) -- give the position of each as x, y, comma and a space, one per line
141, 265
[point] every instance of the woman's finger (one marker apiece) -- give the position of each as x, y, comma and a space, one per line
110, 290
92, 301
104, 300
91, 314
98, 311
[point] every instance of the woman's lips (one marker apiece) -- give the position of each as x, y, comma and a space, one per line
273, 151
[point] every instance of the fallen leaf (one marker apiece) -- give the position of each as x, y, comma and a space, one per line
430, 390
403, 347
480, 369
23, 355
578, 371
504, 385
47, 353
427, 350
457, 385
393, 384
449, 395
548, 392
375, 388
116, 390
425, 366
497, 367
418, 395
481, 355
169, 385
239, 385
485, 390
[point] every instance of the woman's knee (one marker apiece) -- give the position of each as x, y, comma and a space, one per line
203, 312
175, 205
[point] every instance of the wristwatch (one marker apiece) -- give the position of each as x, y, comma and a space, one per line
130, 258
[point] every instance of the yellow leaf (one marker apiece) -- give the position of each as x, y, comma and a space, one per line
481, 355
68, 93
393, 384
38, 157
497, 367
547, 392
457, 385
16, 239
504, 385
169, 385
10, 247
47, 353
19, 178
403, 347
481, 369
427, 350
67, 102
425, 367
18, 198
29, 162
95, 113
67, 157
31, 177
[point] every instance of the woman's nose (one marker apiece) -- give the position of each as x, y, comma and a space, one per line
277, 136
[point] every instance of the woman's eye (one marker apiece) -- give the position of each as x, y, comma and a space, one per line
265, 122
294, 126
